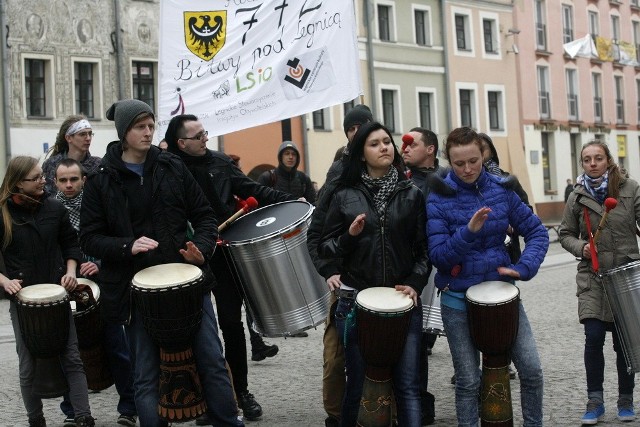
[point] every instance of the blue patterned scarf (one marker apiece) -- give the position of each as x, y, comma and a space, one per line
597, 187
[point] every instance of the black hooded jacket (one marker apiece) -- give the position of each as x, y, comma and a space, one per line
120, 206
294, 182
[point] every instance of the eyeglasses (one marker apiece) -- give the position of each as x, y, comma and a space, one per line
85, 134
37, 178
199, 136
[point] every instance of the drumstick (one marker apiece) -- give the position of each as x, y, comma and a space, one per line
252, 203
609, 203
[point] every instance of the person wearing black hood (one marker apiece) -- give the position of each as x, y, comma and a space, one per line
286, 177
221, 180
135, 214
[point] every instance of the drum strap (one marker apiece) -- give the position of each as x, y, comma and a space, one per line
592, 246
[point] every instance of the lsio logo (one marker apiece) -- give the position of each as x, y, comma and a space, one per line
297, 75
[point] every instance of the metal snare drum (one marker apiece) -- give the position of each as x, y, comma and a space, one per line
431, 313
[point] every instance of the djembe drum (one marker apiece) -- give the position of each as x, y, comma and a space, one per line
89, 328
43, 314
169, 298
493, 310
382, 319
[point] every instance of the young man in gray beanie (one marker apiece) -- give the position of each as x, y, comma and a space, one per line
134, 215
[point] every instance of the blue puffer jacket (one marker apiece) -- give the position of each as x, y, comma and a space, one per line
463, 258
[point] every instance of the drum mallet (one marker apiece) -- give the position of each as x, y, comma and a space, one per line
251, 203
609, 203
407, 140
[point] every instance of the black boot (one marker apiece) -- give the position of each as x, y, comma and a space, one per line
259, 349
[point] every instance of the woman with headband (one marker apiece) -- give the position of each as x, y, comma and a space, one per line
73, 141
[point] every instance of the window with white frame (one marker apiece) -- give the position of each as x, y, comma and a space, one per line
422, 23
594, 23
38, 87
86, 80
495, 111
385, 22
567, 23
144, 81
490, 35
544, 99
320, 119
466, 99
596, 85
390, 114
463, 40
572, 93
619, 88
541, 25
425, 109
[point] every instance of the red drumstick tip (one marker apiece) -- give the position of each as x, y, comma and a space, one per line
407, 140
610, 203
252, 203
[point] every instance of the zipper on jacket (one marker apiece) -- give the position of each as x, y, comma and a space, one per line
141, 180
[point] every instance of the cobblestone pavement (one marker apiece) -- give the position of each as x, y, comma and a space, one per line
288, 386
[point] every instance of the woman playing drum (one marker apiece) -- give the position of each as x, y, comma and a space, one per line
374, 229
39, 245
468, 217
601, 179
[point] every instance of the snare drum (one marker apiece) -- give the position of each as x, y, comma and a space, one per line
43, 314
431, 311
169, 298
86, 317
493, 309
382, 318
268, 253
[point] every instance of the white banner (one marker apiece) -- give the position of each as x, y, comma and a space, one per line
241, 63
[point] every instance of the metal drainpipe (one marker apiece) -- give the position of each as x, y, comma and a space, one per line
119, 51
372, 81
447, 88
305, 144
4, 49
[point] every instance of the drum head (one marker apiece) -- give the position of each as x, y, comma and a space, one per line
94, 287
384, 300
494, 292
40, 294
166, 276
267, 221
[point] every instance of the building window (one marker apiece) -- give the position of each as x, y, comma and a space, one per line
35, 89
318, 119
466, 107
572, 94
422, 23
594, 27
567, 23
541, 25
347, 106
424, 107
619, 99
615, 27
462, 32
384, 22
83, 73
389, 109
638, 101
543, 93
547, 159
489, 33
494, 105
596, 82
636, 37
144, 82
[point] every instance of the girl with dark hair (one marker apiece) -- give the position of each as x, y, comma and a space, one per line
617, 245
374, 230
73, 141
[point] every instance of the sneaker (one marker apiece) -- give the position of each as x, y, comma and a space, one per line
37, 422
203, 420
331, 422
302, 334
85, 421
250, 408
69, 422
127, 420
595, 412
625, 410
262, 351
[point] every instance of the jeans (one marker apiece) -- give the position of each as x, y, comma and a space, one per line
405, 374
207, 349
468, 377
595, 331
71, 365
117, 350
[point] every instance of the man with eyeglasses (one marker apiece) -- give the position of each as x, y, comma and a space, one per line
220, 180
72, 142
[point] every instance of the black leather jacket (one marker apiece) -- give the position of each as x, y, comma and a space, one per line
388, 254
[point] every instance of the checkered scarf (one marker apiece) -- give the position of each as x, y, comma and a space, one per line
73, 207
381, 188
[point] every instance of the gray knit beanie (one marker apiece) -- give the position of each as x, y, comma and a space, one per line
124, 112
358, 115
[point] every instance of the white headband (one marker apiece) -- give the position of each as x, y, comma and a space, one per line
78, 126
